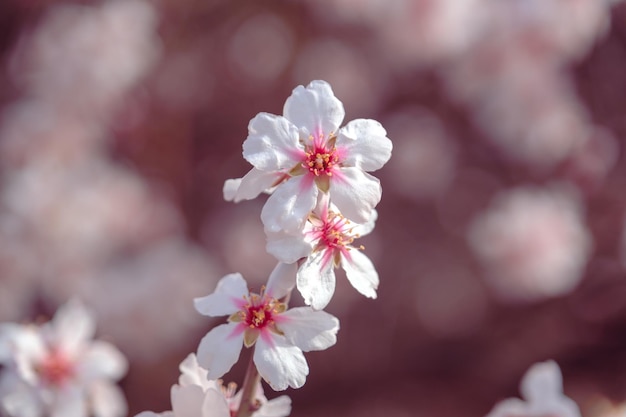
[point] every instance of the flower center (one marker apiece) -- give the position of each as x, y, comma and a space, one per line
336, 232
259, 311
257, 315
320, 157
55, 369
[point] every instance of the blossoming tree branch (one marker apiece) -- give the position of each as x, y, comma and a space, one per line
322, 199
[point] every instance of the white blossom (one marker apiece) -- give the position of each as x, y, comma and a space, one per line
195, 395
542, 393
532, 242
325, 243
56, 370
305, 152
280, 335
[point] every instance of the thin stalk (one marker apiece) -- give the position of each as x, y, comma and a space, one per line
249, 403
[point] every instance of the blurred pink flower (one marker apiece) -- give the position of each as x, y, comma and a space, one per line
56, 370
532, 242
197, 396
542, 393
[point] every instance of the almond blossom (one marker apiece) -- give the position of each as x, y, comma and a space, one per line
195, 395
56, 370
280, 335
304, 152
326, 243
542, 391
532, 242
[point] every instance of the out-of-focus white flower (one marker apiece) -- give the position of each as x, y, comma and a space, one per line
197, 396
513, 74
542, 391
326, 243
532, 242
304, 152
56, 370
280, 335
91, 54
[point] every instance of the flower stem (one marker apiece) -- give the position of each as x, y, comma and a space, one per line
249, 403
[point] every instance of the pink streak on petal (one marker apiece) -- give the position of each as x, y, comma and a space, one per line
240, 328
238, 302
338, 175
307, 183
267, 338
341, 153
297, 154
346, 254
327, 258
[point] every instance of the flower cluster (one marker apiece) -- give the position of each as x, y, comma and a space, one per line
322, 199
56, 370
195, 395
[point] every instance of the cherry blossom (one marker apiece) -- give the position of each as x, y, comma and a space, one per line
325, 243
542, 391
195, 395
280, 335
533, 242
304, 152
56, 370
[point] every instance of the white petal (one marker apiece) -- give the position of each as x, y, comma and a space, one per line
30, 349
187, 401
214, 405
251, 185
101, 360
8, 333
226, 299
360, 272
70, 402
107, 400
219, 349
19, 398
509, 407
281, 280
314, 109
230, 188
315, 281
290, 204
543, 381
72, 326
272, 143
287, 247
365, 144
280, 363
153, 414
277, 407
367, 227
309, 329
355, 193
192, 374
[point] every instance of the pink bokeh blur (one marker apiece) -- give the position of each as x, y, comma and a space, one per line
501, 236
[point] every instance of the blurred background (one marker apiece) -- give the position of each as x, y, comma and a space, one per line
500, 239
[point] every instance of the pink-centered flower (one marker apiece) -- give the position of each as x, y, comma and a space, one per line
326, 243
280, 335
56, 370
304, 152
542, 393
197, 396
